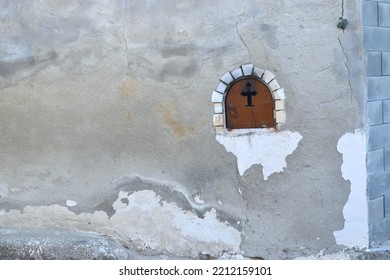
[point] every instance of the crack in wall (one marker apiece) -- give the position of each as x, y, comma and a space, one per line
330, 101
239, 20
343, 50
240, 187
126, 49
198, 74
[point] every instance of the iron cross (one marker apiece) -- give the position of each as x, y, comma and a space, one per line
249, 95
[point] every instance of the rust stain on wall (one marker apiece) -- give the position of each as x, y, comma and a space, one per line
169, 116
127, 114
129, 91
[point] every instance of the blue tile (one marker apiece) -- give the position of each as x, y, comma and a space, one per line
384, 14
376, 38
378, 184
376, 209
375, 161
370, 13
374, 64
379, 136
378, 88
386, 63
374, 112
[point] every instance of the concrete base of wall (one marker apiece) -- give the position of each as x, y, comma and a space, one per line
37, 244
19, 244
350, 254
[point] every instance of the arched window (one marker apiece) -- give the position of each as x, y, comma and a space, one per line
249, 104
248, 97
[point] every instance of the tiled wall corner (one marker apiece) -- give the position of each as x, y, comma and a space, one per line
376, 37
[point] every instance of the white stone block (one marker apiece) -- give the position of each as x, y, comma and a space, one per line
274, 85
237, 73
218, 109
219, 130
258, 71
279, 94
221, 88
279, 105
280, 116
227, 78
218, 119
216, 97
268, 76
247, 69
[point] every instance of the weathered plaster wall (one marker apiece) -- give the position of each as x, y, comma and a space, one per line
106, 122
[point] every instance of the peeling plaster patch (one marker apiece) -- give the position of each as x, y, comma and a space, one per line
355, 231
119, 203
261, 146
159, 225
167, 190
53, 216
198, 200
145, 223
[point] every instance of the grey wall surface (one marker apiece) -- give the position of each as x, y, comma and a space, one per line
106, 121
376, 15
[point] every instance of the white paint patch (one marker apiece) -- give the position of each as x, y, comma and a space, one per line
160, 225
71, 203
261, 146
173, 186
198, 200
355, 231
118, 204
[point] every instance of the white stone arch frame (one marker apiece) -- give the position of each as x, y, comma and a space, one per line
244, 71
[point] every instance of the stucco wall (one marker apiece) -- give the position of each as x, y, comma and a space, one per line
106, 122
